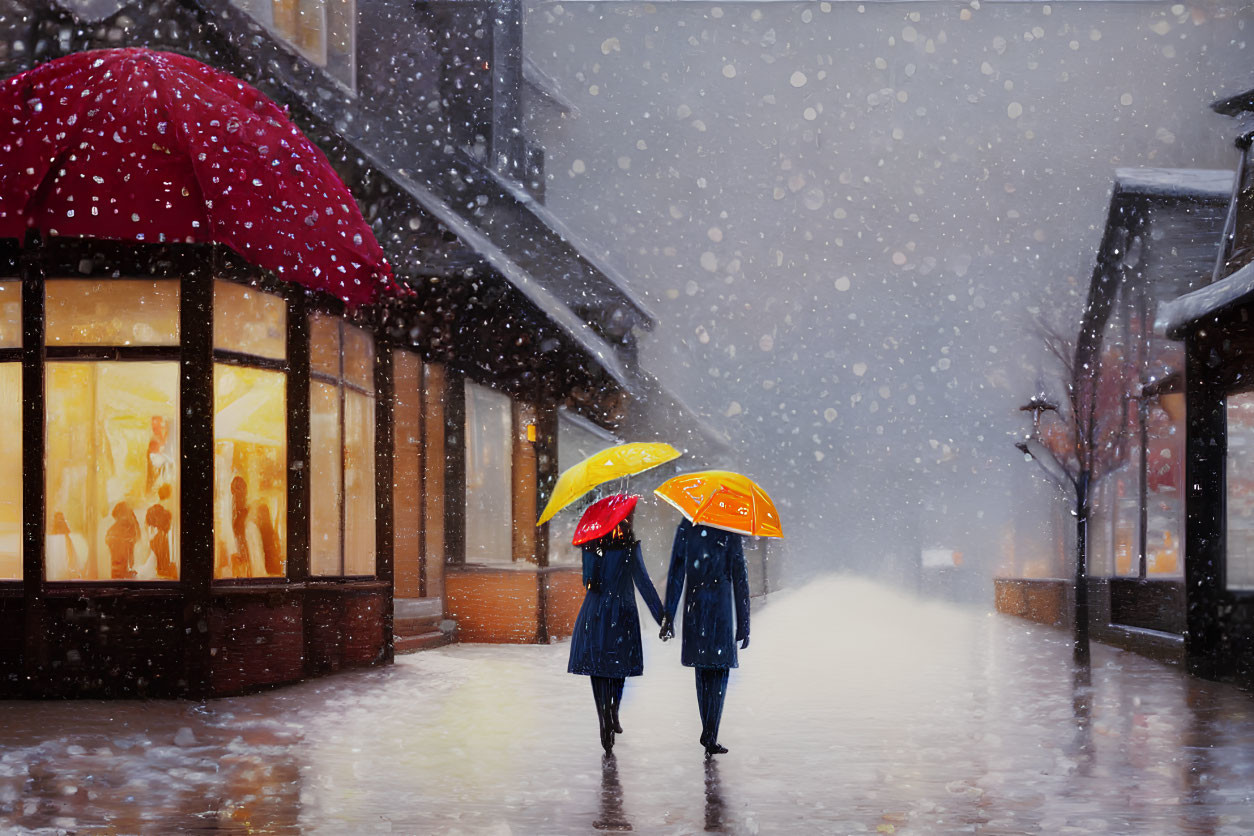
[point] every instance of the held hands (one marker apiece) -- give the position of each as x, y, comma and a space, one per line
668, 629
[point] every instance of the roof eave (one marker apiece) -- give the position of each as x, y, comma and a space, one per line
1180, 316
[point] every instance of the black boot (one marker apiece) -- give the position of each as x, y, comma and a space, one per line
618, 700
607, 739
713, 747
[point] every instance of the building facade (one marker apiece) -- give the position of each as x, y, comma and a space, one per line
348, 483
1170, 559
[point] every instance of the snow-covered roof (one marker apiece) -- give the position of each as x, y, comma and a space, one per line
598, 259
1235, 105
552, 307
1175, 317
546, 85
1174, 182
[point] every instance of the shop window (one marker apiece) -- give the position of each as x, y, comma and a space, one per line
11, 468
10, 314
577, 439
1239, 485
341, 434
489, 474
1101, 529
11, 440
112, 453
249, 321
113, 312
323, 31
1164, 483
249, 433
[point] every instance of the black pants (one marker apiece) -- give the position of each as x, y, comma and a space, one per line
711, 689
608, 693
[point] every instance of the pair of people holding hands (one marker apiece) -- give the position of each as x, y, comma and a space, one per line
707, 569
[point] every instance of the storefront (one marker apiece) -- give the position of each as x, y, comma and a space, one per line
1215, 325
1160, 241
262, 572
190, 504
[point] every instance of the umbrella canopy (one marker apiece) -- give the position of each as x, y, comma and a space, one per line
137, 145
612, 463
602, 516
722, 499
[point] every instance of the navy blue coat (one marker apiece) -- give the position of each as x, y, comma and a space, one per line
713, 562
606, 641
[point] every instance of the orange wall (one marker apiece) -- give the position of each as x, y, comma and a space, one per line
433, 463
563, 598
407, 475
496, 606
1043, 601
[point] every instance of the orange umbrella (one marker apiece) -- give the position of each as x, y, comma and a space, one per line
722, 499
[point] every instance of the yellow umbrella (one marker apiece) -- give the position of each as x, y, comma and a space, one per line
612, 463
722, 499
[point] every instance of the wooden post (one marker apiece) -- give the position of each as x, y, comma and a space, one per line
407, 466
454, 470
298, 444
523, 484
34, 659
383, 440
433, 547
1206, 448
196, 476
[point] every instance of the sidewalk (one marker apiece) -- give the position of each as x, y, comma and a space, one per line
856, 710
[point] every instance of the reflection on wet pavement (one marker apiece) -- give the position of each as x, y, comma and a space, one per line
856, 710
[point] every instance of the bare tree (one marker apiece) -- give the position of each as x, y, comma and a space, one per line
1083, 436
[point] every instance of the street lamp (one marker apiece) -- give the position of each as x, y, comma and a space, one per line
1033, 448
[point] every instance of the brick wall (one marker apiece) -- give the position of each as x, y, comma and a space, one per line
493, 605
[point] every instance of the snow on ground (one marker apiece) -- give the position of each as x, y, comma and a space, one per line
857, 709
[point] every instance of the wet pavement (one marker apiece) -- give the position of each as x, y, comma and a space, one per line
857, 709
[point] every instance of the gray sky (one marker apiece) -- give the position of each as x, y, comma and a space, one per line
847, 215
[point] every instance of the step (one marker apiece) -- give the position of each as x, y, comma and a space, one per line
408, 626
419, 608
425, 641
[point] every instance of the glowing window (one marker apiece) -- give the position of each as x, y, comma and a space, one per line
489, 474
117, 312
11, 468
11, 314
112, 454
249, 472
249, 321
341, 435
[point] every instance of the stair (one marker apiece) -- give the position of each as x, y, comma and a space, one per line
419, 624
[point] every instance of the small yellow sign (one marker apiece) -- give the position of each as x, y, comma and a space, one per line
531, 432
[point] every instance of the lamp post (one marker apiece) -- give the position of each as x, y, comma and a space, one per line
1033, 448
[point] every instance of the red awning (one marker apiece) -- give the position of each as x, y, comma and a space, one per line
137, 145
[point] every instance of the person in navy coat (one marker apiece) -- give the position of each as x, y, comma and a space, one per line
606, 640
716, 614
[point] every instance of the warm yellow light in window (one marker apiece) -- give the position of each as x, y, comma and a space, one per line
112, 454
249, 472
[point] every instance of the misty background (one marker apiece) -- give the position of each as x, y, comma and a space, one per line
848, 216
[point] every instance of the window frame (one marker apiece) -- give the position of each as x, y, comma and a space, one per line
342, 386
510, 559
321, 57
89, 354
1242, 593
231, 357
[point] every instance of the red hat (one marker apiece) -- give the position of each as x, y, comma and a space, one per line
602, 516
